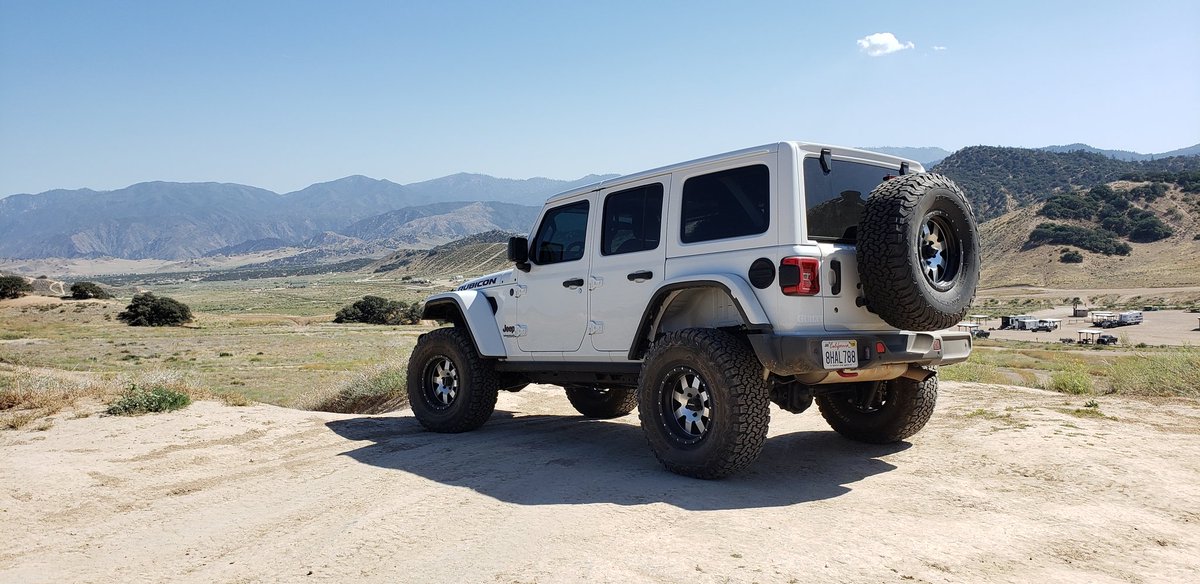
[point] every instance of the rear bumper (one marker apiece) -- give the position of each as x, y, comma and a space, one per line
800, 355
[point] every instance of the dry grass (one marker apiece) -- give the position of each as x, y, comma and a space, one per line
1168, 373
29, 394
375, 390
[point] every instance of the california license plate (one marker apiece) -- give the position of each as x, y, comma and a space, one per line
840, 354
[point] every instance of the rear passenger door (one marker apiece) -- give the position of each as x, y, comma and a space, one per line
628, 263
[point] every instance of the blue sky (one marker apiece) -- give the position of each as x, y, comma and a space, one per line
103, 94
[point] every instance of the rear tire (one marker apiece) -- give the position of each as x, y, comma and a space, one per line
603, 404
703, 403
918, 252
450, 387
900, 408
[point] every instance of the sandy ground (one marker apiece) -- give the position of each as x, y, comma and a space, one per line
1020, 491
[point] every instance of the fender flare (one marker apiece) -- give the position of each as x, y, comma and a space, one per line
738, 289
473, 311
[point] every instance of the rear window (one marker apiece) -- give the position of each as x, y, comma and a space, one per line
835, 200
729, 203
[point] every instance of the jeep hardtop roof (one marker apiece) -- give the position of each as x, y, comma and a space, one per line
808, 147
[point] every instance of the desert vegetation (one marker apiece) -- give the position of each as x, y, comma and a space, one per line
28, 395
14, 287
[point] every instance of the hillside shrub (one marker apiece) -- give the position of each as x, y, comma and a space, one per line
1094, 240
1071, 257
1148, 229
150, 310
377, 310
1067, 206
88, 290
13, 287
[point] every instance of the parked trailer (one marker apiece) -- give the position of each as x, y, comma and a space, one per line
1013, 322
1130, 317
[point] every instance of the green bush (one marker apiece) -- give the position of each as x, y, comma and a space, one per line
150, 310
377, 310
140, 400
87, 290
13, 287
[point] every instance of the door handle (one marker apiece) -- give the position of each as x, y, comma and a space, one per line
641, 275
573, 283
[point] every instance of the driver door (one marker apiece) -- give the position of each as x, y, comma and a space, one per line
553, 301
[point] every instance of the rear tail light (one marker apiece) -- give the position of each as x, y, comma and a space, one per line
800, 276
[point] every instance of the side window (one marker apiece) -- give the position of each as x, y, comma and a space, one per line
632, 220
729, 203
561, 236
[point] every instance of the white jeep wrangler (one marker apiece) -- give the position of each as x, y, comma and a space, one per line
701, 292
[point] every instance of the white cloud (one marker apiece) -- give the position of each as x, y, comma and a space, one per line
882, 43
938, 48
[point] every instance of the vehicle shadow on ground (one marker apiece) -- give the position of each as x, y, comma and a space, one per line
556, 460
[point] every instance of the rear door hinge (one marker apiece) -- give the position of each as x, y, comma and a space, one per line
595, 327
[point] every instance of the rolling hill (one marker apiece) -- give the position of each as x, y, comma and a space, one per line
481, 253
998, 180
1010, 259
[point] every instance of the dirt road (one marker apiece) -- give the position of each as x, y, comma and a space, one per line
1004, 485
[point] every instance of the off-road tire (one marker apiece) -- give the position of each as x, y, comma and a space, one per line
603, 404
475, 382
906, 406
892, 258
738, 398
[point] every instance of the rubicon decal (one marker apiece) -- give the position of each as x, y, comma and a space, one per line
478, 284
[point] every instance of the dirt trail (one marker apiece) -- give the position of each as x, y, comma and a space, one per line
1003, 486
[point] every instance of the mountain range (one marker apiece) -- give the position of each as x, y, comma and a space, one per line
359, 216
165, 220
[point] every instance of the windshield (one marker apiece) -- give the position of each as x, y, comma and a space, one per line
835, 200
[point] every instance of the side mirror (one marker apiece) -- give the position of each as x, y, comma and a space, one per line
518, 252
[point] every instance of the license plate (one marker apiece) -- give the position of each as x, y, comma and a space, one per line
840, 354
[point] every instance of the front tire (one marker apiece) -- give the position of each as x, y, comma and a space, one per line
602, 404
703, 404
880, 412
450, 387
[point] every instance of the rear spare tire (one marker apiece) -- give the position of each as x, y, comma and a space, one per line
918, 252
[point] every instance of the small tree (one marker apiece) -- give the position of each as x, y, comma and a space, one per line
13, 287
377, 310
150, 310
86, 290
